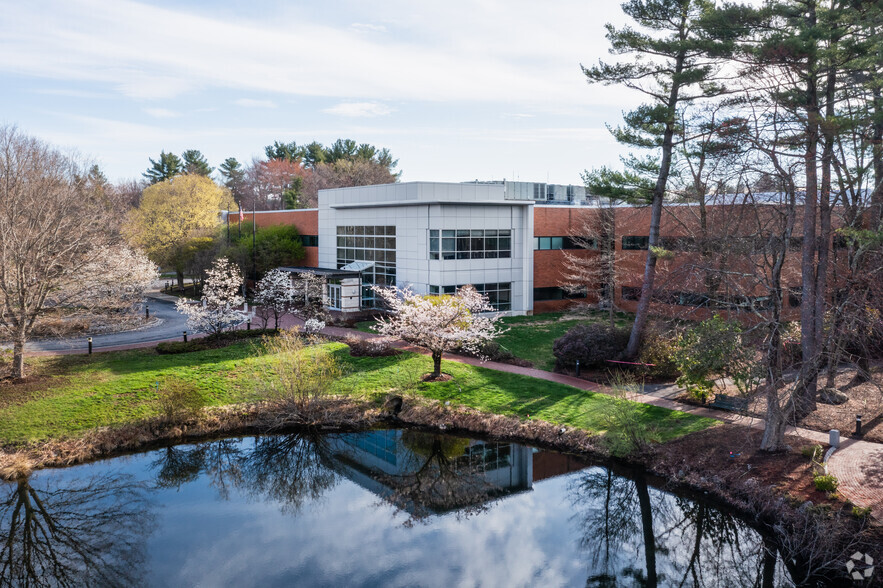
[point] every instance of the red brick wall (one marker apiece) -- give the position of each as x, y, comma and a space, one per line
306, 222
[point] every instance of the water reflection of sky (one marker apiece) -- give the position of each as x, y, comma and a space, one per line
348, 536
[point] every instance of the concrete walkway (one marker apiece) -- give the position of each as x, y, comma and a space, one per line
858, 465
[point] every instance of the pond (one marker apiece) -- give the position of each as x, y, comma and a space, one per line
381, 508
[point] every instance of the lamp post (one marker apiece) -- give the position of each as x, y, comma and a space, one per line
90, 345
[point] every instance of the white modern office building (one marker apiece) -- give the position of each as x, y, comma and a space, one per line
430, 237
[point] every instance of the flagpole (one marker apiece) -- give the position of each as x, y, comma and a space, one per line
254, 230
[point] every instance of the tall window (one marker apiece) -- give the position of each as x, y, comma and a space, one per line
470, 244
374, 244
499, 295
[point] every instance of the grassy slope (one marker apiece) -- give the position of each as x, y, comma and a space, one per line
113, 388
531, 337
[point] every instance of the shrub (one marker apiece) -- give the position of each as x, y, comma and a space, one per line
178, 399
627, 428
711, 350
374, 347
658, 354
861, 513
216, 341
591, 344
825, 483
812, 452
297, 372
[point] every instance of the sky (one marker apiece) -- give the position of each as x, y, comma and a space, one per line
457, 90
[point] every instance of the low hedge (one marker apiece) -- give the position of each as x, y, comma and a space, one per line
215, 341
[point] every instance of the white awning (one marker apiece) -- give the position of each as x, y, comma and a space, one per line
358, 266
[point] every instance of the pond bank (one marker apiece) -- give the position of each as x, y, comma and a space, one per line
816, 536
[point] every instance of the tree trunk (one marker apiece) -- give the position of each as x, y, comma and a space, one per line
647, 528
643, 309
436, 364
18, 356
806, 394
180, 276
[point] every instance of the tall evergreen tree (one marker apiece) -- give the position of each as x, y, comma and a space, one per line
194, 162
234, 178
165, 168
672, 61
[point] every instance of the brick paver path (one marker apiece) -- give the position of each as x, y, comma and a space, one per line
858, 465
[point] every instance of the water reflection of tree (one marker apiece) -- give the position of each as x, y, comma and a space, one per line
83, 533
438, 475
683, 542
289, 469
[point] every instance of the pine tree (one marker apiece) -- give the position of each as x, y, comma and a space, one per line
167, 167
195, 163
672, 61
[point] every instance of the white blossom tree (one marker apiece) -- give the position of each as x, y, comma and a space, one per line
275, 293
309, 300
115, 281
220, 300
439, 323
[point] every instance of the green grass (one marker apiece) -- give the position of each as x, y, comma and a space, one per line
115, 388
532, 337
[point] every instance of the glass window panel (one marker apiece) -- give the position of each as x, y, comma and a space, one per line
463, 243
390, 242
536, 243
341, 230
490, 254
503, 254
433, 244
557, 242
369, 230
505, 243
447, 233
478, 254
391, 230
450, 289
545, 243
391, 258
506, 233
448, 244
490, 233
490, 243
341, 241
359, 242
465, 254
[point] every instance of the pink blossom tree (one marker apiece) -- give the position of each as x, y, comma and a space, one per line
439, 323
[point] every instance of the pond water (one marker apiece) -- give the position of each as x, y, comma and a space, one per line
382, 508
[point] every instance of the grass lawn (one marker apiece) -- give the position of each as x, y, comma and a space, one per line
531, 337
114, 388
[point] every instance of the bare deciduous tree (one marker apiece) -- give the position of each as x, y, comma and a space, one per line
52, 228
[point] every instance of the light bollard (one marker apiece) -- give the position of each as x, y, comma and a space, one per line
577, 368
147, 311
90, 345
185, 336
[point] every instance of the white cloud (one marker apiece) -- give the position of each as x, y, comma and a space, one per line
512, 51
367, 27
253, 103
162, 113
359, 109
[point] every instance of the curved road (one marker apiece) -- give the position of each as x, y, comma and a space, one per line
163, 308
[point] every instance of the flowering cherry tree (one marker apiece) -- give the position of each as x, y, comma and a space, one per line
439, 323
220, 299
308, 300
275, 293
115, 281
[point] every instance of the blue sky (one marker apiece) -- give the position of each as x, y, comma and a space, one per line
457, 90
